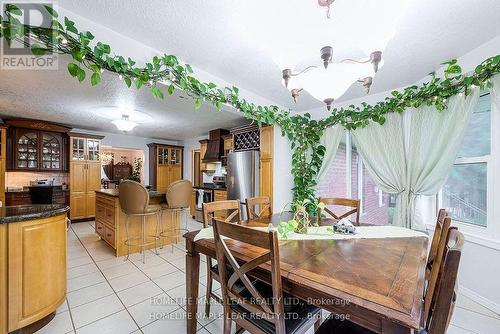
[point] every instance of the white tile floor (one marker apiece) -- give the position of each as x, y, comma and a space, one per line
109, 295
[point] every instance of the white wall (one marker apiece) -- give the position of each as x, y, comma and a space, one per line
189, 146
282, 175
128, 141
480, 264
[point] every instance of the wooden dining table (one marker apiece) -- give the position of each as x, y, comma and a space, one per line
376, 283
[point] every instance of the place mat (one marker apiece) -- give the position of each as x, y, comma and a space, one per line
321, 233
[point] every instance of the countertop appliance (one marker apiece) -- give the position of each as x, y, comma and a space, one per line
242, 179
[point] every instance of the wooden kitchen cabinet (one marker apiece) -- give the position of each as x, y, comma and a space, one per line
266, 162
220, 195
3, 162
192, 207
110, 222
165, 165
36, 146
203, 150
85, 174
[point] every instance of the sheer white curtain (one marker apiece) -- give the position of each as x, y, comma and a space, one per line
419, 165
330, 140
382, 148
435, 139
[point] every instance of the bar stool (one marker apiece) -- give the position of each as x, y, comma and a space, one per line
134, 201
178, 200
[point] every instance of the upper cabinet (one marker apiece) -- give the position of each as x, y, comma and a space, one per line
165, 165
36, 146
85, 149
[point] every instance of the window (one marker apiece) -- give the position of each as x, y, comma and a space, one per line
348, 177
465, 193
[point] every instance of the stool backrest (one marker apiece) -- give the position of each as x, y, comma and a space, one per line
134, 197
179, 194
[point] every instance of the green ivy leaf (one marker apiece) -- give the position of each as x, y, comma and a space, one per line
95, 78
128, 82
138, 83
73, 69
197, 103
13, 9
80, 74
51, 11
170, 89
157, 93
37, 50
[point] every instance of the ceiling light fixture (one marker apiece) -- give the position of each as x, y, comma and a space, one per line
124, 124
326, 3
331, 82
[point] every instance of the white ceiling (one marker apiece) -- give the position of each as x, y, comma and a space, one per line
212, 36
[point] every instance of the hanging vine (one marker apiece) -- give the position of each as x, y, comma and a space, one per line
164, 74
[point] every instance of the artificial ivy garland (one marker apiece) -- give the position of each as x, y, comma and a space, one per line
303, 132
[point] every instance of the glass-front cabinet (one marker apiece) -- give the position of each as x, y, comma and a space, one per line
36, 150
85, 149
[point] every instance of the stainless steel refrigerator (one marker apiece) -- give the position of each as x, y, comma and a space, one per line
242, 176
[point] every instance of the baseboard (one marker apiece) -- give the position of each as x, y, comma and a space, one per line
479, 299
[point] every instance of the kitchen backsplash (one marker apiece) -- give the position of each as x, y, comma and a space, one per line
22, 179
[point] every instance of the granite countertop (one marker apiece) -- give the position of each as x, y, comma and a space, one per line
26, 189
115, 192
19, 213
209, 186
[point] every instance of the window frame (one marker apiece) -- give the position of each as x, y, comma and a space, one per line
489, 234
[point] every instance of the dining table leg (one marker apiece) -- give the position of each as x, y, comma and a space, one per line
192, 283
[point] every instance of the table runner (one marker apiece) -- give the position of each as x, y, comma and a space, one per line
323, 233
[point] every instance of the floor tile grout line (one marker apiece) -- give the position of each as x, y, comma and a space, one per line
479, 313
135, 322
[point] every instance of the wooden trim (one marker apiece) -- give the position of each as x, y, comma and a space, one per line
85, 135
245, 128
37, 125
164, 145
3, 279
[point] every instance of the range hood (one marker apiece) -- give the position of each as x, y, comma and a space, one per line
215, 146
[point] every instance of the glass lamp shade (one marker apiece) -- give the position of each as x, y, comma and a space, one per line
124, 124
324, 83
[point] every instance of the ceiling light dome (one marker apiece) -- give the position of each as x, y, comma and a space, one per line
124, 124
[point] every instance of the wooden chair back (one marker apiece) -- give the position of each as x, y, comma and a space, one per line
437, 237
443, 302
273, 310
347, 202
232, 207
264, 207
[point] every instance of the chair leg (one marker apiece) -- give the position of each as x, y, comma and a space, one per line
227, 325
162, 229
208, 294
127, 241
157, 235
143, 247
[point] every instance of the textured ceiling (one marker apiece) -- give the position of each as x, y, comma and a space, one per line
38, 95
210, 35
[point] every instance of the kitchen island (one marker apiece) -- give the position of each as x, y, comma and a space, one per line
32, 264
110, 221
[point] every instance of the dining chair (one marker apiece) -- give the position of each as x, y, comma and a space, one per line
258, 207
439, 302
440, 233
347, 202
254, 305
210, 211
